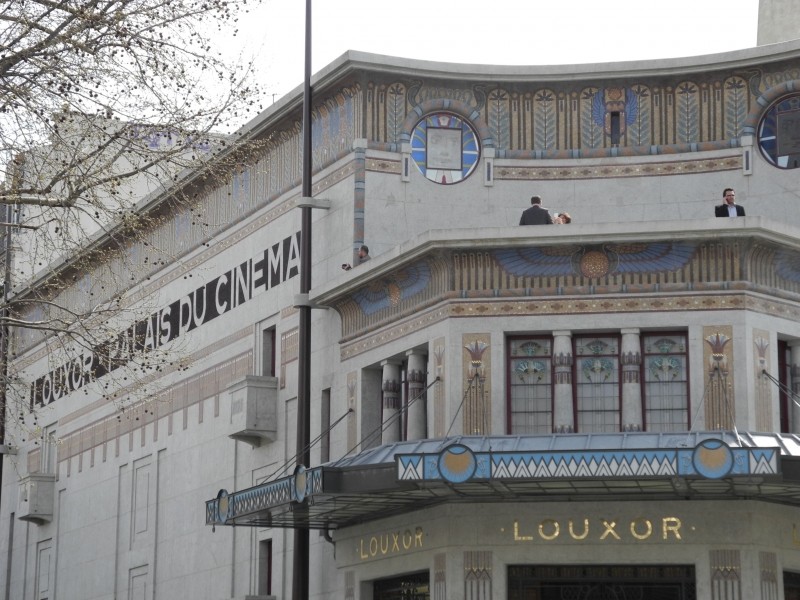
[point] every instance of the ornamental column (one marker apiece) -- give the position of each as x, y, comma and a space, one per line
417, 411
391, 402
631, 356
563, 412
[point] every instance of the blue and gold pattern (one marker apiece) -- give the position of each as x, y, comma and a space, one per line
711, 459
457, 463
388, 292
595, 260
227, 506
470, 147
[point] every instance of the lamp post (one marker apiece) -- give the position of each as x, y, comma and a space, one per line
300, 554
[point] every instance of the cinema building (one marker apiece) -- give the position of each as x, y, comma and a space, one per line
604, 409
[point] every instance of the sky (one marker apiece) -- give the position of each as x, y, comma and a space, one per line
501, 32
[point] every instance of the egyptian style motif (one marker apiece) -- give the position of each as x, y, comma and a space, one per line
539, 272
439, 390
439, 591
478, 574
763, 386
768, 568
720, 406
570, 120
477, 415
710, 459
390, 291
726, 574
595, 261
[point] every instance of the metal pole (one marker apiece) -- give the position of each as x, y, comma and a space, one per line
301, 537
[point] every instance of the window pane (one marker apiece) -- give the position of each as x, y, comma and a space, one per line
530, 385
666, 385
597, 387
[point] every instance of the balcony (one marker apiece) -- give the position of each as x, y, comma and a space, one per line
36, 497
254, 408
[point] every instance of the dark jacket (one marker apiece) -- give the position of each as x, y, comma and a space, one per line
722, 210
536, 215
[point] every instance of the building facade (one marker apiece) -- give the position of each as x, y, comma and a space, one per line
603, 409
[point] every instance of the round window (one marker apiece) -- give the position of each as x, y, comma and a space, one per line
445, 148
779, 133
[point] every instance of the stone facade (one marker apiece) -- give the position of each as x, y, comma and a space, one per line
644, 288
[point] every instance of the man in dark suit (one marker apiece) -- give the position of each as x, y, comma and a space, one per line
729, 208
536, 215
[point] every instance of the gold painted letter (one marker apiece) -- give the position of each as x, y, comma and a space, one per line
554, 525
582, 536
518, 537
609, 525
648, 528
672, 524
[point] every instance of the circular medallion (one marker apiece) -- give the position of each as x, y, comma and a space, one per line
445, 148
594, 264
223, 506
779, 133
712, 459
457, 463
300, 479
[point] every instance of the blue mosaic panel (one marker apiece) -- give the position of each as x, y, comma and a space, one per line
711, 459
294, 488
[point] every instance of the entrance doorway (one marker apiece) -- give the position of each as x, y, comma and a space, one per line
415, 586
601, 582
791, 585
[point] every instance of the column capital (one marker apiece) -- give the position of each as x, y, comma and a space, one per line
630, 331
562, 333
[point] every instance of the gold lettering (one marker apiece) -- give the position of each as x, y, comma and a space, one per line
392, 542
574, 535
672, 524
550, 536
518, 537
648, 528
609, 529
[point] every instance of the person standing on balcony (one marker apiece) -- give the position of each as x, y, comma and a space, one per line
363, 256
536, 214
729, 208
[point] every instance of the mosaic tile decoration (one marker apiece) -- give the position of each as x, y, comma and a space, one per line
261, 497
711, 459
